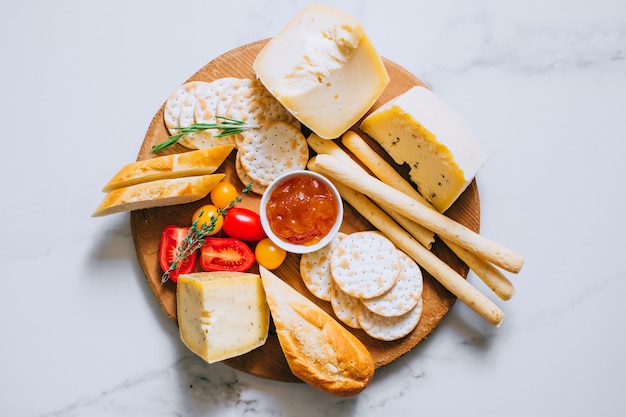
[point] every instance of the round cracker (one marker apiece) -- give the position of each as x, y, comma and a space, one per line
345, 306
203, 111
239, 89
365, 264
259, 107
186, 115
205, 139
238, 106
206, 106
272, 150
241, 107
389, 328
245, 179
175, 102
315, 269
405, 293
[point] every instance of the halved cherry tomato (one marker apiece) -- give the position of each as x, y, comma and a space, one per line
225, 254
204, 214
268, 255
223, 193
243, 224
171, 239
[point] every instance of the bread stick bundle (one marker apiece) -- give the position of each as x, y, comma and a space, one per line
356, 186
443, 273
489, 274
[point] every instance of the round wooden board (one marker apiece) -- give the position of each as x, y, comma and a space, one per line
268, 361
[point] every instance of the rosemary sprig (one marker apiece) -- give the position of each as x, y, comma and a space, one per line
194, 239
227, 126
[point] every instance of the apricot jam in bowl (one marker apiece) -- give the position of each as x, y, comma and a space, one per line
301, 211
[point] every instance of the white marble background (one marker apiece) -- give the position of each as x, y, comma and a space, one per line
542, 82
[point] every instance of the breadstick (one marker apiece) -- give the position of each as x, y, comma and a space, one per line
324, 146
405, 205
490, 275
385, 172
329, 147
443, 273
423, 235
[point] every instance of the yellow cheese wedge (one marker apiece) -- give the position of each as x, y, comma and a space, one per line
419, 129
186, 164
221, 314
324, 69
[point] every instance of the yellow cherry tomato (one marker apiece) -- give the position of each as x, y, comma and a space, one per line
204, 215
223, 193
268, 255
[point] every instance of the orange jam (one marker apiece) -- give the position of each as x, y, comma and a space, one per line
302, 210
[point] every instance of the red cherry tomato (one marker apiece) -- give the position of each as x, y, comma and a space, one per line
171, 239
243, 224
225, 254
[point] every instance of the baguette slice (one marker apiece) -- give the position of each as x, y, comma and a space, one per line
187, 164
319, 350
157, 193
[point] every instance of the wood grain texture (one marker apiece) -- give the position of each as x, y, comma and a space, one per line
268, 361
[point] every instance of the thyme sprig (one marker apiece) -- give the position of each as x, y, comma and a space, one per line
194, 239
227, 127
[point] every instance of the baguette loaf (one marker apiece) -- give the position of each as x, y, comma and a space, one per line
319, 350
157, 193
186, 164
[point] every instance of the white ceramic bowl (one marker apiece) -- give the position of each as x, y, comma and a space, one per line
300, 248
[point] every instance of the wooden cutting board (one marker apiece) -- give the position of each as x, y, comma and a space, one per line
268, 361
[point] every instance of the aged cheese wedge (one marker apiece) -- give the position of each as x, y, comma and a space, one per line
221, 314
324, 69
420, 129
159, 193
319, 350
186, 164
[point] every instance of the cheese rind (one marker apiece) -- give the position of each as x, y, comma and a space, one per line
221, 314
421, 130
324, 69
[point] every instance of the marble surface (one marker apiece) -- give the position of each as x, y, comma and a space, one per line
543, 83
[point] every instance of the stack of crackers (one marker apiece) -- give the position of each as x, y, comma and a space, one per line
275, 146
370, 284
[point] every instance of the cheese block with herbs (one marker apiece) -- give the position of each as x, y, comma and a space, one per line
418, 128
324, 69
221, 314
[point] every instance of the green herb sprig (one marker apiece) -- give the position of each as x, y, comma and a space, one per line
194, 239
227, 127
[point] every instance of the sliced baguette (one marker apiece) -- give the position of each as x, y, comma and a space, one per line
157, 193
319, 350
186, 164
